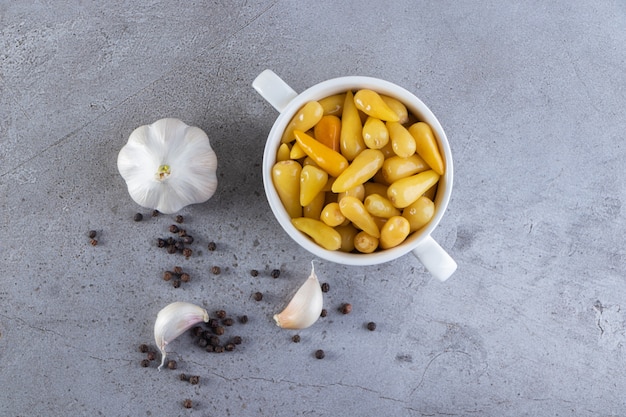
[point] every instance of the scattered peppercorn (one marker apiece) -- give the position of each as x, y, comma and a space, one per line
295, 338
319, 354
145, 363
202, 342
371, 326
170, 240
171, 249
229, 347
323, 313
93, 242
219, 330
213, 323
237, 340
167, 275
172, 365
214, 341
178, 270
179, 245
188, 240
155, 213
92, 234
196, 331
187, 403
212, 246
179, 219
138, 217
346, 308
151, 356
143, 348
254, 273
325, 287
176, 283
182, 233
216, 270
187, 252
173, 229
243, 319
275, 273
183, 377
218, 349
184, 277
194, 380
220, 314
228, 321
161, 243
210, 348
258, 296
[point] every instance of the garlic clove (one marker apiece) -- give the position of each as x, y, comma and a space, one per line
168, 165
305, 307
173, 320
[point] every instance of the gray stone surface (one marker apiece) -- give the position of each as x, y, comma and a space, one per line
532, 97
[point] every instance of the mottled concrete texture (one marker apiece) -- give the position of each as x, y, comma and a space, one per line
532, 97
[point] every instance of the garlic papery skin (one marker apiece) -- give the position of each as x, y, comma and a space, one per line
173, 320
168, 165
305, 307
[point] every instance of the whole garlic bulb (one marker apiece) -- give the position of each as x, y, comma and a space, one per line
168, 165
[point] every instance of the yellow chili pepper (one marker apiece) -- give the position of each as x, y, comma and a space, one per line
402, 141
328, 131
305, 119
330, 161
375, 133
426, 146
331, 215
419, 213
283, 152
375, 188
357, 192
370, 103
379, 206
351, 139
362, 168
397, 107
286, 179
323, 235
313, 210
312, 181
347, 233
296, 152
354, 210
396, 167
333, 105
405, 191
394, 232
365, 243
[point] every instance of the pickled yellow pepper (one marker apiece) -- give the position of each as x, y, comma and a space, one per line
426, 146
405, 191
354, 210
362, 168
330, 161
370, 103
323, 235
351, 141
286, 179
305, 119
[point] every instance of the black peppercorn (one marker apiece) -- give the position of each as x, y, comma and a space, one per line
187, 403
210, 348
176, 283
151, 356
161, 243
237, 340
325, 287
243, 319
212, 246
218, 349
93, 242
138, 217
214, 341
179, 245
194, 380
346, 308
170, 240
216, 270
295, 338
254, 273
187, 252
258, 296
220, 314
371, 326
213, 323
228, 321
92, 234
183, 377
182, 233
145, 363
275, 273
143, 348
167, 275
155, 213
229, 347
179, 219
173, 229
171, 249
172, 365
184, 277
319, 354
196, 331
202, 342
219, 330
178, 270
188, 240
324, 313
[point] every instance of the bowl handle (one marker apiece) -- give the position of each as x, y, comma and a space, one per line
273, 89
435, 259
